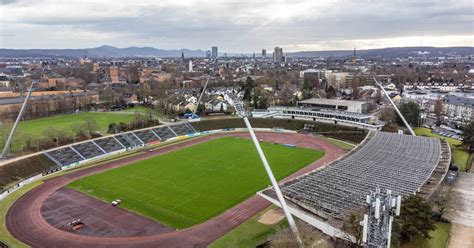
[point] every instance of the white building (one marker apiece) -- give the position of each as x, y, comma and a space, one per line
459, 108
345, 105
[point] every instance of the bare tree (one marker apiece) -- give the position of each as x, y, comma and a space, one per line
438, 109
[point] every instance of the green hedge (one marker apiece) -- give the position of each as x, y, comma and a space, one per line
17, 171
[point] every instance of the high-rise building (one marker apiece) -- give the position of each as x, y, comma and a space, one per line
278, 55
215, 52
190, 65
264, 53
208, 54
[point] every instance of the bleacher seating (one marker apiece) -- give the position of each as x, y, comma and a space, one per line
128, 140
400, 163
146, 136
65, 156
182, 128
164, 133
88, 149
109, 144
25, 168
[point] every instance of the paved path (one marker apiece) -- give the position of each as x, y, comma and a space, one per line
25, 221
461, 212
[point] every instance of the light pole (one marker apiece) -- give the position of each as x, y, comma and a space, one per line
15, 125
241, 112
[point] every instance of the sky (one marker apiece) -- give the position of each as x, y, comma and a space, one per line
236, 25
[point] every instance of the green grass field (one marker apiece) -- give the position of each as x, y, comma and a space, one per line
250, 234
439, 238
191, 185
460, 156
37, 128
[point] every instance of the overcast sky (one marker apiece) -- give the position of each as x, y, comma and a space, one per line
236, 25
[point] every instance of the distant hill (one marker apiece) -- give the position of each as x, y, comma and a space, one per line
111, 52
390, 52
102, 51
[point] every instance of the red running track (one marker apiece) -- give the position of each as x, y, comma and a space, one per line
26, 223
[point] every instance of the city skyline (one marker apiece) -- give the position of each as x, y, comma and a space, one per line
236, 26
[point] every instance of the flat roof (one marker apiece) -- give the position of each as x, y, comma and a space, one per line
328, 111
331, 102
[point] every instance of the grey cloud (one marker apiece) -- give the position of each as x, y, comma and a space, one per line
247, 26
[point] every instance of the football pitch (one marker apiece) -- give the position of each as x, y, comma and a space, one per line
189, 186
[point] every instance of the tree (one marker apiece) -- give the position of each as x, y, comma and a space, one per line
388, 115
415, 219
91, 126
113, 128
441, 199
411, 112
438, 109
353, 228
247, 88
330, 92
307, 89
468, 136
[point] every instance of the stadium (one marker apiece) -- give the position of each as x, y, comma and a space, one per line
190, 183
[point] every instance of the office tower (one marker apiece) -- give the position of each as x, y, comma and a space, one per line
208, 54
215, 53
190, 65
264, 53
278, 55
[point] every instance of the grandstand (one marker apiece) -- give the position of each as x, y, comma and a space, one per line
109, 144
129, 140
164, 133
64, 156
183, 128
147, 136
396, 162
345, 118
88, 149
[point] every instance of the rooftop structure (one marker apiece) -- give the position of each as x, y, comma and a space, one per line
350, 106
346, 118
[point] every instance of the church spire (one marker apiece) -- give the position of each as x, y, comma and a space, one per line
354, 56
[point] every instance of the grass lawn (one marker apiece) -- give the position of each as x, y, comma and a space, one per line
37, 128
250, 234
439, 238
191, 185
340, 144
460, 156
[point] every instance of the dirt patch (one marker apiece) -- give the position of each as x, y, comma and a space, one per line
272, 216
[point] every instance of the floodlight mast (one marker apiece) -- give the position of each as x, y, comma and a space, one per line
15, 125
200, 96
395, 106
241, 112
